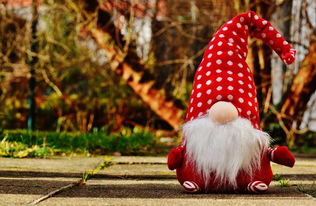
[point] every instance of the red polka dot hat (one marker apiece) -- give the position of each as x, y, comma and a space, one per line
223, 74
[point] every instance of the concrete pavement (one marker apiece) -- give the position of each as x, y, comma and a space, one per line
137, 181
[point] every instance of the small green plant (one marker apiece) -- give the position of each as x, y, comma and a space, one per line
308, 189
284, 182
86, 176
277, 177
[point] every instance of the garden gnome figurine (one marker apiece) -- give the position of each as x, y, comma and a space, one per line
223, 147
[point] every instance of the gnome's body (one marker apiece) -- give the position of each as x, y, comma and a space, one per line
223, 147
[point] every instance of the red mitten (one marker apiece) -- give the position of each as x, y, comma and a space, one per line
175, 157
281, 155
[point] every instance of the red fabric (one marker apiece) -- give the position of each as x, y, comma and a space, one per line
187, 172
223, 73
175, 157
282, 155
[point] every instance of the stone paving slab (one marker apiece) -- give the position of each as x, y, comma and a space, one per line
139, 160
176, 202
138, 170
19, 191
60, 164
169, 192
162, 189
134, 181
16, 199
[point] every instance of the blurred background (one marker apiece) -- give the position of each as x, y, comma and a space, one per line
88, 77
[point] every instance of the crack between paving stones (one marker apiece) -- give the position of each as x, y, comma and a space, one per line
85, 177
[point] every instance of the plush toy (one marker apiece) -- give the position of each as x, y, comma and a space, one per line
223, 147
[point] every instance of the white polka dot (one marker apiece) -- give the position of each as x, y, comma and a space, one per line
208, 91
249, 86
199, 86
211, 47
240, 82
240, 65
219, 79
242, 40
229, 72
257, 125
213, 38
192, 118
209, 56
208, 73
240, 110
208, 82
234, 33
241, 90
230, 53
218, 61
219, 88
240, 74
241, 100
238, 25
254, 117
239, 56
246, 27
231, 40
249, 15
264, 35
200, 114
192, 91
250, 104
249, 94
248, 113
271, 28
256, 17
230, 88
264, 22
249, 78
200, 68
219, 43
191, 100
230, 63
256, 100
248, 70
242, 19
199, 95
278, 35
208, 64
218, 71
199, 77
230, 79
219, 53
221, 35
285, 43
191, 109
219, 97
229, 22
229, 44
209, 101
245, 54
256, 109
225, 28
199, 104
230, 97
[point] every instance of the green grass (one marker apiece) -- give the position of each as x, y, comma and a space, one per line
284, 182
24, 143
308, 189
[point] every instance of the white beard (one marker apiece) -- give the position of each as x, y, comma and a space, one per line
224, 150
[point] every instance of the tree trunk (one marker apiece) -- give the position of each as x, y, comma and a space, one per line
129, 67
301, 90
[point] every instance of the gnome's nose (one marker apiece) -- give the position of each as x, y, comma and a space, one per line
223, 112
